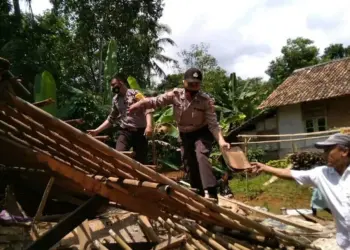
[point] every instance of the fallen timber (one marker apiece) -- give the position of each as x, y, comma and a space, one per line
34, 139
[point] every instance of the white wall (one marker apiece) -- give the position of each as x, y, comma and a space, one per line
290, 122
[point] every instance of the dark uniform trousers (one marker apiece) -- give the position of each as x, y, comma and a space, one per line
195, 151
136, 139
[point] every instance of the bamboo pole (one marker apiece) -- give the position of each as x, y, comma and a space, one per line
35, 144
44, 102
195, 242
286, 140
42, 204
131, 182
171, 231
67, 143
102, 137
41, 130
147, 228
74, 121
174, 242
222, 241
219, 217
119, 240
296, 135
271, 215
50, 146
90, 184
99, 245
205, 237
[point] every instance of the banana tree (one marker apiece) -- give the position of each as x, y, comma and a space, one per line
45, 88
110, 69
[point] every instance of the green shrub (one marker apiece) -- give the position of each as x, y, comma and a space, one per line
282, 163
307, 160
255, 154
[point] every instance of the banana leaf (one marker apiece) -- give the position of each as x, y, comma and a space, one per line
173, 131
166, 116
168, 164
133, 84
45, 88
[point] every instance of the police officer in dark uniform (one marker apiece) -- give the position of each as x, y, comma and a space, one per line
134, 128
198, 126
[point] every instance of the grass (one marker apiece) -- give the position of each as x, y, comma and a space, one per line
281, 193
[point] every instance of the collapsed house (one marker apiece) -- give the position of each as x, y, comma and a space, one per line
39, 151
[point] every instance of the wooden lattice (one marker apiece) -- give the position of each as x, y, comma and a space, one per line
37, 140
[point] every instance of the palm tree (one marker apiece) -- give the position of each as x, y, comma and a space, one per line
158, 48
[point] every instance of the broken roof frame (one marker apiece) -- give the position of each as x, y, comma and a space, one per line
39, 140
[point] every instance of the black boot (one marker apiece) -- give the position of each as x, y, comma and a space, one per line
213, 193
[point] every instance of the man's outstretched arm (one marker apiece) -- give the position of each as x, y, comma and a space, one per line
279, 172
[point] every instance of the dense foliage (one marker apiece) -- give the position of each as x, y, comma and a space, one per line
307, 160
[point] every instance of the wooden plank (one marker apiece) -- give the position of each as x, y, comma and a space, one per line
271, 215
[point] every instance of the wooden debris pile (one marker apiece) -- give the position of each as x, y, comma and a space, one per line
33, 139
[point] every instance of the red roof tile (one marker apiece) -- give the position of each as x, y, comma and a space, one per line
322, 81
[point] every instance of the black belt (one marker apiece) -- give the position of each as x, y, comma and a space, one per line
133, 129
196, 133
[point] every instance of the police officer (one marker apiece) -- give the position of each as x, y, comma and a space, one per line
197, 122
134, 128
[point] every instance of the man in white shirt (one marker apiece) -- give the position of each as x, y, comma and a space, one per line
333, 181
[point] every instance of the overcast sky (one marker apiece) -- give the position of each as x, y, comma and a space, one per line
246, 35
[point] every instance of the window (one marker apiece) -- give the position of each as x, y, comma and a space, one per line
315, 124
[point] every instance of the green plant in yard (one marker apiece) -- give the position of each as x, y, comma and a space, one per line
251, 187
307, 160
282, 163
256, 154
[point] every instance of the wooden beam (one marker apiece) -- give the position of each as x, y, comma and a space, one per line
54, 235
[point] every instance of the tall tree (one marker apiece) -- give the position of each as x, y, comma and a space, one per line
198, 56
158, 49
132, 24
298, 53
335, 51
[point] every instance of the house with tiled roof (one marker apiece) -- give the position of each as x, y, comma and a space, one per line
311, 99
